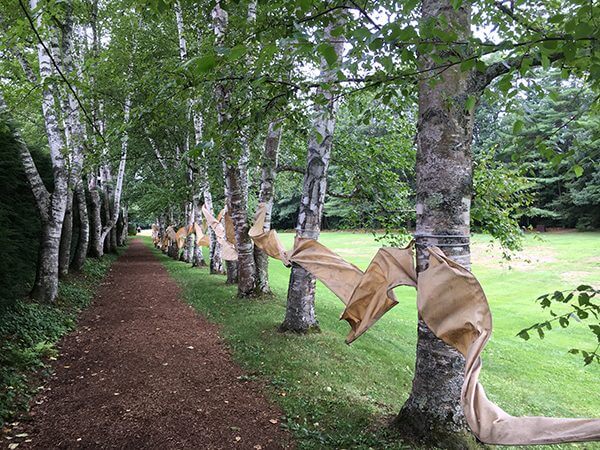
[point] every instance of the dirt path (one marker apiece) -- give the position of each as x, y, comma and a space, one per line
143, 370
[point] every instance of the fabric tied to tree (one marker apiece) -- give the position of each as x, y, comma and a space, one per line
202, 240
224, 238
155, 230
181, 236
367, 295
453, 305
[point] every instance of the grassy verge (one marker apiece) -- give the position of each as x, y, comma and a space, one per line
339, 396
29, 332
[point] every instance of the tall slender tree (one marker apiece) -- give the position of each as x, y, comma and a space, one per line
300, 310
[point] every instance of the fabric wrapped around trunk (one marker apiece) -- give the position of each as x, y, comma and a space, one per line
453, 305
228, 251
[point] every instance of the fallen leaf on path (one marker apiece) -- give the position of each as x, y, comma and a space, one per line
21, 435
12, 446
258, 447
238, 439
273, 420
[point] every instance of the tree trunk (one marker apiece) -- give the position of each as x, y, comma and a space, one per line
125, 227
234, 162
46, 284
113, 216
75, 134
197, 256
84, 228
433, 412
66, 238
300, 311
267, 189
96, 249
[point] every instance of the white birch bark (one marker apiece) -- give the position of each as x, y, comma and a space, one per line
75, 132
235, 172
300, 310
120, 174
46, 283
96, 247
266, 195
215, 261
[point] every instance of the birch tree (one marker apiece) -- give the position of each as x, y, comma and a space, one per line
235, 174
115, 208
51, 206
266, 196
192, 252
300, 310
76, 139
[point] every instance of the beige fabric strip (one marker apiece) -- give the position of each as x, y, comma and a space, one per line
181, 237
228, 251
201, 238
453, 305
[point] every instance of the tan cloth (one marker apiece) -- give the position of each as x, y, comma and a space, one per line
181, 234
202, 240
367, 296
155, 230
453, 305
228, 251
170, 233
267, 241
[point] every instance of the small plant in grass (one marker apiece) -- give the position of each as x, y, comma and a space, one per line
582, 306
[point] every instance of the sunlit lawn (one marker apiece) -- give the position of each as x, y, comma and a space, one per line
336, 395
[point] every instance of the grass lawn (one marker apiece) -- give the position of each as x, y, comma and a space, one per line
339, 396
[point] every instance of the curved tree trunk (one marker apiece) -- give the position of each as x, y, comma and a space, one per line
267, 189
81, 250
300, 311
433, 412
52, 207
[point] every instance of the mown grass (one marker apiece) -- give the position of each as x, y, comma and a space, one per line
339, 396
29, 332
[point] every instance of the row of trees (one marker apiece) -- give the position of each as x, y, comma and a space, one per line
184, 104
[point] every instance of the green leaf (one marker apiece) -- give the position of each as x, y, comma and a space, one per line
523, 334
518, 126
470, 103
237, 52
583, 29
328, 52
467, 64
203, 64
577, 170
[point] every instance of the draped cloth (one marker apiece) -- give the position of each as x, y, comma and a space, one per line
155, 230
202, 240
224, 236
181, 236
367, 295
453, 305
